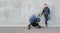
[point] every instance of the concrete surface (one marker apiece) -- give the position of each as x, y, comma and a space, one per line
32, 30
19, 11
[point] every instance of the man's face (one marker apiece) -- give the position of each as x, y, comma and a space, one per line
44, 5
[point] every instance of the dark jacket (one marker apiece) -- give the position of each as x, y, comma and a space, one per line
46, 11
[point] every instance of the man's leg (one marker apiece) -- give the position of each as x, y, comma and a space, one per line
46, 19
46, 23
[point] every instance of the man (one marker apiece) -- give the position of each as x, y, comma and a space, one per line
46, 12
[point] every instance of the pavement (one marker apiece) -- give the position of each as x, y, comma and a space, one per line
32, 30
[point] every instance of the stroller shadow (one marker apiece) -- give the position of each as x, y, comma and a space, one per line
43, 27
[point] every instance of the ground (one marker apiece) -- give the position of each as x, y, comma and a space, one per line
32, 30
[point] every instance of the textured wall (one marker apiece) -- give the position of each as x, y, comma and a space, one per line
10, 11
19, 11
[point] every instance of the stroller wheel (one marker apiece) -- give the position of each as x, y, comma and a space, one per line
39, 27
29, 26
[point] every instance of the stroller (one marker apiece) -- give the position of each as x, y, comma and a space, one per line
34, 21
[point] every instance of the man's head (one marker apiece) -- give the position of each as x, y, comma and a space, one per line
44, 5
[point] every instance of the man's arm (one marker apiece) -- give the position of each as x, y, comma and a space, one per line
42, 13
48, 11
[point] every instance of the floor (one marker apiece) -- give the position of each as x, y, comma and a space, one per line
32, 30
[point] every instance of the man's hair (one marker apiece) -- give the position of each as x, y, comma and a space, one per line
45, 4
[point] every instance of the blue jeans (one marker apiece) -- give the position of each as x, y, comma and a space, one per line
46, 19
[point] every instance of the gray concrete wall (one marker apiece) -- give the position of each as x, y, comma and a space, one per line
19, 11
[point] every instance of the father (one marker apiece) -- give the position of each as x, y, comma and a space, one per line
46, 12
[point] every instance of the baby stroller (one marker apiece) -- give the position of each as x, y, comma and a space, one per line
34, 21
